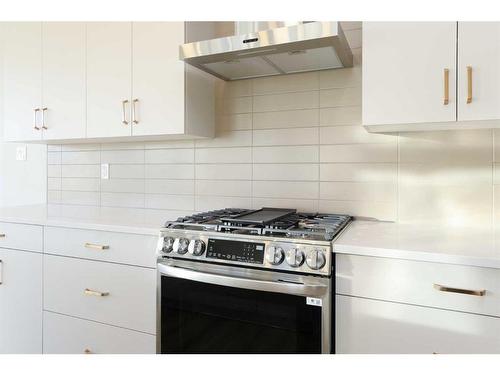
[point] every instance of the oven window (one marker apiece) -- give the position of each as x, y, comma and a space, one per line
205, 318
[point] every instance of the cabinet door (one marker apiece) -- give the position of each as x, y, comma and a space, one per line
20, 302
22, 80
109, 78
478, 49
63, 75
404, 72
158, 78
366, 326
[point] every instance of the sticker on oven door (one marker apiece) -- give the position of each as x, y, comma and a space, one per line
314, 301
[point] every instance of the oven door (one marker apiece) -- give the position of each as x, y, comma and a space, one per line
206, 308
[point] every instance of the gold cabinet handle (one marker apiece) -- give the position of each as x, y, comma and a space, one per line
469, 84
43, 118
96, 293
94, 246
2, 235
35, 111
446, 99
134, 113
87, 351
124, 117
470, 292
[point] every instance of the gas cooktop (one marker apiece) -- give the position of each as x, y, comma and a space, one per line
272, 222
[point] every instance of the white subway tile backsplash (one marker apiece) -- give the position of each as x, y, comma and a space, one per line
283, 137
363, 209
163, 186
224, 155
286, 154
122, 156
169, 156
53, 183
206, 203
286, 102
122, 146
80, 171
241, 138
285, 189
358, 191
122, 185
286, 172
362, 153
300, 118
80, 184
171, 202
130, 200
170, 171
223, 171
236, 188
237, 88
340, 116
282, 84
241, 121
54, 196
237, 105
126, 171
81, 157
359, 172
85, 198
53, 170
340, 97
340, 78
53, 158
352, 134
169, 144
80, 147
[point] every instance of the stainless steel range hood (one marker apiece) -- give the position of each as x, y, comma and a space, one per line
298, 48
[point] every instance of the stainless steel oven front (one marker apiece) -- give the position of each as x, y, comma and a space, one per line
211, 308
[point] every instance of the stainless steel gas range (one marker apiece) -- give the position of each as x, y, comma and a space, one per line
247, 281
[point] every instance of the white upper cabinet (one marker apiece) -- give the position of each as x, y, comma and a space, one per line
22, 80
405, 69
157, 78
478, 71
109, 79
431, 75
63, 76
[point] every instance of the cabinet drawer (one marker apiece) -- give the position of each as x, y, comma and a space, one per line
418, 282
128, 300
21, 236
365, 326
116, 247
67, 335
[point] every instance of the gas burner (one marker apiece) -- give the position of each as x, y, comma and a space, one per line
273, 222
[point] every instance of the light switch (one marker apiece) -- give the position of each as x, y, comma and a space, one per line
21, 153
104, 171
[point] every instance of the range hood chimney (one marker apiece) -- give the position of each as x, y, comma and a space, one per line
271, 48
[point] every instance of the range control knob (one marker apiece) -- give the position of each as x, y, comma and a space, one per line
196, 247
315, 259
168, 244
181, 245
275, 255
295, 257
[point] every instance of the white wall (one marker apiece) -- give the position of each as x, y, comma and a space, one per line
21, 182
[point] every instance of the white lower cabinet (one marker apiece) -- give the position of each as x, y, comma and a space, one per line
67, 335
20, 302
365, 326
115, 294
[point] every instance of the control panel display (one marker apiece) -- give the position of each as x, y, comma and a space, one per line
238, 251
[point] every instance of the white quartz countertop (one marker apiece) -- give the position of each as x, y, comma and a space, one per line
138, 221
433, 243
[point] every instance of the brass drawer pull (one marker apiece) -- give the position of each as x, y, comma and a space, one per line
470, 292
469, 84
2, 235
94, 246
446, 99
87, 351
96, 293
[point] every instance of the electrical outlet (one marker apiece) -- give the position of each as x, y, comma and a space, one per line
21, 153
104, 171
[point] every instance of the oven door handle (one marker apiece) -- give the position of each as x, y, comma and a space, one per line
278, 286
